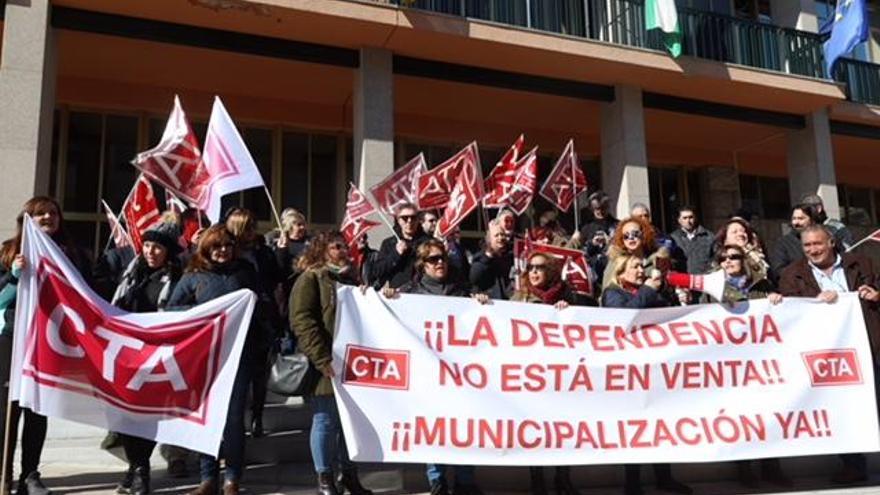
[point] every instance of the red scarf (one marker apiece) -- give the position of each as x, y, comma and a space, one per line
550, 295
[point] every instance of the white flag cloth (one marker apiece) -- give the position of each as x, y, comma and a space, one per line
164, 376
450, 381
227, 162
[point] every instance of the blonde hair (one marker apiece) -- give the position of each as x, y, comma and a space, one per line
618, 266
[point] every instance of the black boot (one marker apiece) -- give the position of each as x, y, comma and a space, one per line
124, 485
536, 484
140, 481
326, 485
352, 484
562, 482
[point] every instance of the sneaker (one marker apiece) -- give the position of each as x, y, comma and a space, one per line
124, 485
32, 485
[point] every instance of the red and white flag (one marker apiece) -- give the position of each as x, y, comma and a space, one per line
140, 211
873, 236
500, 180
357, 208
522, 191
464, 199
176, 161
436, 185
228, 165
164, 376
400, 187
566, 180
575, 269
117, 232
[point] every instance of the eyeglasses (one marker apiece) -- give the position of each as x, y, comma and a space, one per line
730, 257
632, 235
536, 268
407, 218
437, 258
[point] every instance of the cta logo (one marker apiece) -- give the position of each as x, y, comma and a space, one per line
380, 368
833, 367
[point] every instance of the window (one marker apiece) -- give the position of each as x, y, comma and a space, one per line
765, 197
857, 205
669, 189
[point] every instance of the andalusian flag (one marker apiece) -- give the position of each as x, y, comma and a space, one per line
661, 14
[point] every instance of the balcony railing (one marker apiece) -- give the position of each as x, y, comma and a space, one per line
704, 34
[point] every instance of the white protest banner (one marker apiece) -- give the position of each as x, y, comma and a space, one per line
447, 380
164, 376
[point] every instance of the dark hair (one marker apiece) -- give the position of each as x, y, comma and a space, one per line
36, 205
315, 254
405, 206
554, 272
809, 210
684, 208
216, 235
721, 234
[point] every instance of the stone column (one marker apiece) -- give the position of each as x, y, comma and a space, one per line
720, 195
624, 155
27, 101
810, 163
374, 123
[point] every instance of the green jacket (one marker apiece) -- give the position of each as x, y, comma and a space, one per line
313, 319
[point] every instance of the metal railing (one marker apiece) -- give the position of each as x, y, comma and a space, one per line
704, 34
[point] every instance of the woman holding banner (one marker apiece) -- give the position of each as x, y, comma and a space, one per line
434, 277
312, 317
542, 283
630, 288
146, 286
46, 213
216, 270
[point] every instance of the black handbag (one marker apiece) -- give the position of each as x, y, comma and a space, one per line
292, 375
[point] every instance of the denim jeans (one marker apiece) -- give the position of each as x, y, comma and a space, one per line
464, 475
326, 440
232, 448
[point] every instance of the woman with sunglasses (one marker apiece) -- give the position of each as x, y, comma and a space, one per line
635, 237
216, 270
738, 232
324, 264
632, 288
542, 283
434, 277
46, 213
741, 285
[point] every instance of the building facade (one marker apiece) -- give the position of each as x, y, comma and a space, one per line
344, 90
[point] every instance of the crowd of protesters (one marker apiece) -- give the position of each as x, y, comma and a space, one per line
294, 272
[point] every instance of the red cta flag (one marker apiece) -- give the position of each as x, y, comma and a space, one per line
357, 208
465, 197
141, 211
165, 376
500, 180
566, 180
436, 184
400, 187
176, 161
522, 191
575, 269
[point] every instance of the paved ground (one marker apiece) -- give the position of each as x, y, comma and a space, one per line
73, 463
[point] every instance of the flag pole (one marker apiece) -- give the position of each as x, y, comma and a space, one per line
577, 215
866, 238
271, 205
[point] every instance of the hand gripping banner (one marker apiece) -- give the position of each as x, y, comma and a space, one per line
164, 376
423, 379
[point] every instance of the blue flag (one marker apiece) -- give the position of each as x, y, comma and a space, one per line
850, 28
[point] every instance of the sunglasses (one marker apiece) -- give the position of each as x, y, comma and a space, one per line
731, 257
537, 268
437, 258
219, 247
407, 218
632, 235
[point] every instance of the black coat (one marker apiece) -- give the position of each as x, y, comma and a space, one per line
393, 268
433, 288
788, 249
697, 251
492, 275
646, 297
109, 269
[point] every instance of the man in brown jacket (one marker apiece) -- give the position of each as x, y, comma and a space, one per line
823, 274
